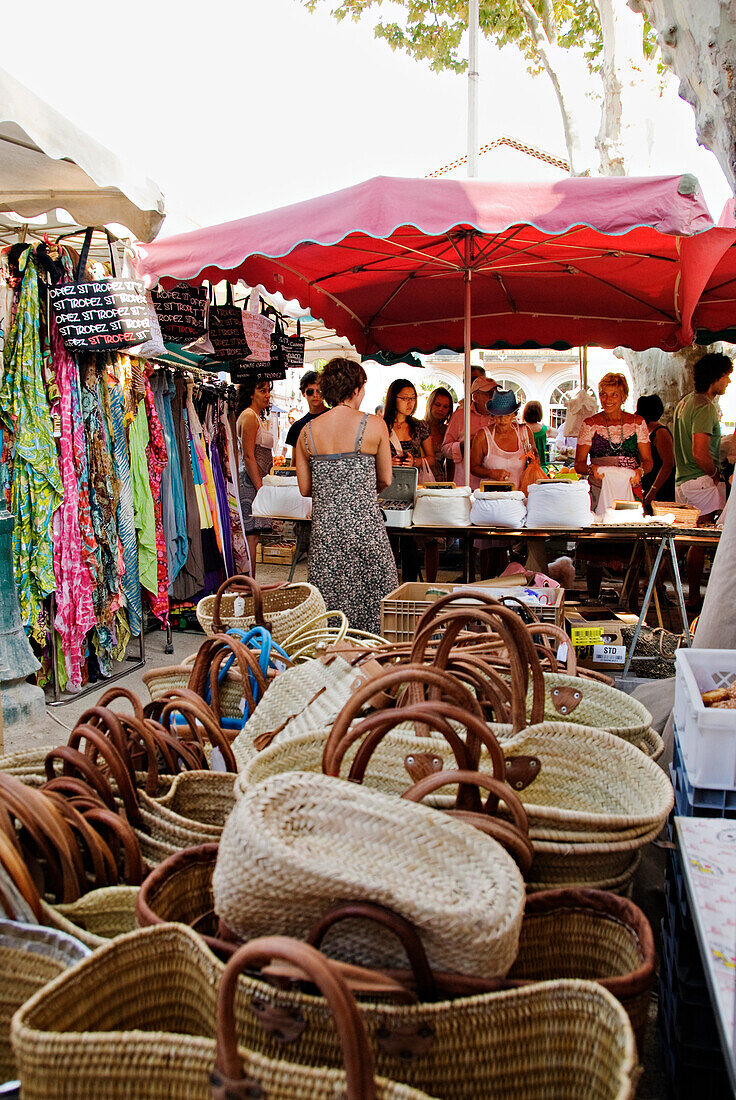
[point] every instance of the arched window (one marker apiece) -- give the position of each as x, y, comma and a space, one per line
557, 409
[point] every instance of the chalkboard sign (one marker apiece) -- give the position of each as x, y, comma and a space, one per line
226, 332
107, 315
262, 372
182, 312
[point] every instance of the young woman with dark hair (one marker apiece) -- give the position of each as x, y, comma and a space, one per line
256, 457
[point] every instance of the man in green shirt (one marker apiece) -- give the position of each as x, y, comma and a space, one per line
696, 434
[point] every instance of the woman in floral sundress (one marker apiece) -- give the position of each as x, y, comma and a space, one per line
343, 458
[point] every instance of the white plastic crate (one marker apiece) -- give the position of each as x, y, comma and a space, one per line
707, 736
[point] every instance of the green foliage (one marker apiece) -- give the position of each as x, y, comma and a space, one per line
432, 30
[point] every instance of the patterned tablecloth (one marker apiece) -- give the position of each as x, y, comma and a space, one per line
708, 850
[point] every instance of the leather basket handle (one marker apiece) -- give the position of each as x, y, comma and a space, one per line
427, 625
118, 692
227, 1077
402, 928
199, 717
18, 873
376, 726
396, 676
239, 583
110, 725
549, 630
115, 763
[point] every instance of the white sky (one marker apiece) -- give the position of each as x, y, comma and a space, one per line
237, 106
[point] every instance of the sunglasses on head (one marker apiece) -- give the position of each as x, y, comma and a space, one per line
311, 390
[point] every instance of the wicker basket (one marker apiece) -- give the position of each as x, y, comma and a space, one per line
300, 700
138, 1019
192, 812
97, 917
582, 934
281, 610
572, 699
298, 841
685, 515
590, 781
180, 889
30, 956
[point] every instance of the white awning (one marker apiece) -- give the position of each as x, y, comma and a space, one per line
47, 164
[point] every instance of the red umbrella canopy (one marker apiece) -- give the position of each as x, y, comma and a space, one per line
715, 313
580, 261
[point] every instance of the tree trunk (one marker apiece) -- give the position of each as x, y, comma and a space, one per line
698, 42
670, 375
621, 72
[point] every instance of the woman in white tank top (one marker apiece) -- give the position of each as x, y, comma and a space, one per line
499, 452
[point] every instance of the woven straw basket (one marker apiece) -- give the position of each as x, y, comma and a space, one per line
299, 841
300, 700
590, 780
387, 770
180, 889
138, 1019
577, 934
571, 699
192, 811
30, 957
281, 610
96, 917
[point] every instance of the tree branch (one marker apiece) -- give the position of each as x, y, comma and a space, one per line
542, 45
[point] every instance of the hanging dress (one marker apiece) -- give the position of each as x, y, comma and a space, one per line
157, 463
75, 613
37, 487
190, 579
350, 558
130, 580
173, 508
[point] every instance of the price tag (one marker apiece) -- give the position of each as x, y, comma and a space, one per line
586, 635
562, 652
610, 654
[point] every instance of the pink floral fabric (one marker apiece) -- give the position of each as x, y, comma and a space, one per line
157, 461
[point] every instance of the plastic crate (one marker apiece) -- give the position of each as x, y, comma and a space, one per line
402, 609
687, 1080
707, 736
692, 801
693, 1023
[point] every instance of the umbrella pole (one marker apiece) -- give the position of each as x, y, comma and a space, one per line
467, 335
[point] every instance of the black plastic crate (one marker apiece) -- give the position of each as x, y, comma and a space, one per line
693, 1022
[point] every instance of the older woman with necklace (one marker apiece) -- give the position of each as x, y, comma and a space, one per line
611, 438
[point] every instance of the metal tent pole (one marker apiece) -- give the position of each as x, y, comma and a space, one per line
473, 28
466, 340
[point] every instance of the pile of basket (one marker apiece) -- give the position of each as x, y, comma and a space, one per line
411, 811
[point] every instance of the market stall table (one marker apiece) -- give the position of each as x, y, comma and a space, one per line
708, 851
659, 539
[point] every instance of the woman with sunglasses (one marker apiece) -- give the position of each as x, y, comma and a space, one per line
309, 384
256, 457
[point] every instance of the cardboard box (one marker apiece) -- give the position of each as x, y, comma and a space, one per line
595, 631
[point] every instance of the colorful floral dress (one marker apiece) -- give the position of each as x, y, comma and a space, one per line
75, 613
37, 488
157, 463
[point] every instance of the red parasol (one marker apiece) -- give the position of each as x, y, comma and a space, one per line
421, 264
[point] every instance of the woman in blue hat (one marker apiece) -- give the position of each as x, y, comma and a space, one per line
499, 452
